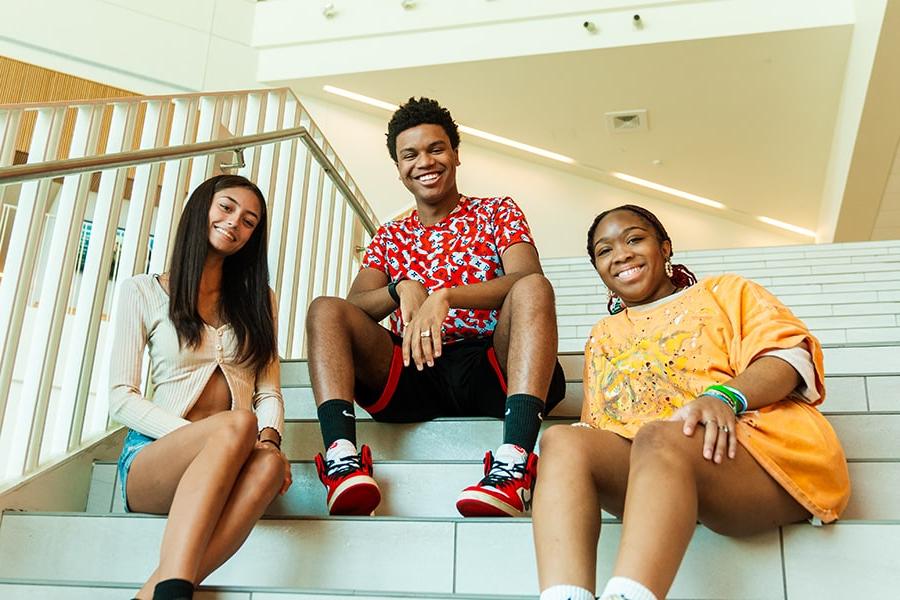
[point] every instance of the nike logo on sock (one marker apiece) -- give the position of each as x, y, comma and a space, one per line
348, 415
507, 412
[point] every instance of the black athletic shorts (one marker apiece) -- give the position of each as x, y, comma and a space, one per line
465, 381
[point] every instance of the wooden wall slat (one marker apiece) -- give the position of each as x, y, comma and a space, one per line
23, 82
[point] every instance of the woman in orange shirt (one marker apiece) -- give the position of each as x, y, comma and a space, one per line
699, 401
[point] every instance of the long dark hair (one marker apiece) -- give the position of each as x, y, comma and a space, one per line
245, 302
681, 275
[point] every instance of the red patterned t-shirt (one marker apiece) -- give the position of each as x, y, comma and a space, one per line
463, 248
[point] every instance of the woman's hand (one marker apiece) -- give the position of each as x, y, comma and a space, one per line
720, 422
269, 446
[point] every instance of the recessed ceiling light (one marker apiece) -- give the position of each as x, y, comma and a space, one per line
499, 139
668, 190
787, 226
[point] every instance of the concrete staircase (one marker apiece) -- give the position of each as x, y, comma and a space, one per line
417, 547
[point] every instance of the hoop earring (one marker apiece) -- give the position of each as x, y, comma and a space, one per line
669, 269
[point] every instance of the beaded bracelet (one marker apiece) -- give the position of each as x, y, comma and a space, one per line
729, 395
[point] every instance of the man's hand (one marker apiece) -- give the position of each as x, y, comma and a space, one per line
422, 332
412, 295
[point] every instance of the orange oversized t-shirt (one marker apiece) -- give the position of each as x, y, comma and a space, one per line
642, 366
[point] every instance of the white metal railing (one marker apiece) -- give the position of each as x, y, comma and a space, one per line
78, 216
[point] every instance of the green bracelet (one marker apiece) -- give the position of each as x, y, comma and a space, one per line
731, 396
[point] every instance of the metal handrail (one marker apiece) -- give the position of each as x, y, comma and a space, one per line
87, 164
134, 98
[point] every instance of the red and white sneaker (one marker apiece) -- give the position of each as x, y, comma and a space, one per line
505, 490
348, 480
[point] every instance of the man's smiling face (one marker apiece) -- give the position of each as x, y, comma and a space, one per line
427, 163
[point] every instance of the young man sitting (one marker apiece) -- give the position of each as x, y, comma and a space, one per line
473, 328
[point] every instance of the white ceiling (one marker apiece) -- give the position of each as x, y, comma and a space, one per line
745, 120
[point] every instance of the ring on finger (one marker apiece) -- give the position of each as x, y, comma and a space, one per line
426, 333
724, 428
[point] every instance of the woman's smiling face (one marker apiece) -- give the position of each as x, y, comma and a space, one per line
630, 259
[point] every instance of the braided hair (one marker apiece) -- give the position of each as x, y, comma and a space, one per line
681, 276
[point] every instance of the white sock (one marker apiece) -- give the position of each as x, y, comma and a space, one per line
629, 589
566, 592
340, 449
511, 454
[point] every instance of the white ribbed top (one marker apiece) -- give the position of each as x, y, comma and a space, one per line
178, 374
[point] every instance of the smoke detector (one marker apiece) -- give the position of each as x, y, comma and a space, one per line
624, 121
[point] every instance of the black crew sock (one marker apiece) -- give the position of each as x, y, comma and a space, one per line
173, 589
523, 420
337, 421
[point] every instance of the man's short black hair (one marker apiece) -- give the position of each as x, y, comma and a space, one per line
417, 112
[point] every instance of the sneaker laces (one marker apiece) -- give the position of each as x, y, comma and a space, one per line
343, 466
503, 473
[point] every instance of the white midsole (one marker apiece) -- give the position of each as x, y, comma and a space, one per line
488, 499
355, 481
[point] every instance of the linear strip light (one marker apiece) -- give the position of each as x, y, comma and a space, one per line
788, 226
498, 139
359, 97
668, 190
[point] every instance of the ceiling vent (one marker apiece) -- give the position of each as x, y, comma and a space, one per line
627, 120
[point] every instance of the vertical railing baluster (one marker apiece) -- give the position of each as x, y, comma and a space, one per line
210, 113
279, 201
335, 232
305, 274
133, 253
172, 188
292, 252
20, 261
254, 113
324, 231
268, 154
54, 294
9, 134
66, 430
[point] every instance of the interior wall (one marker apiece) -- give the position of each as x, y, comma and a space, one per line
559, 206
154, 47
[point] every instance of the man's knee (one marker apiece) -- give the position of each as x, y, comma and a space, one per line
325, 311
532, 287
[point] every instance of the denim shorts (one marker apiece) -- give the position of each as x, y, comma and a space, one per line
134, 443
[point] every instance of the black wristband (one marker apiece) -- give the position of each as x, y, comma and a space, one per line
392, 290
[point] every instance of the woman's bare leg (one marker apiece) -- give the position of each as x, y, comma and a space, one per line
190, 474
670, 485
580, 470
254, 490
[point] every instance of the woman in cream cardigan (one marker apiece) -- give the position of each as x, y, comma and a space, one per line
206, 448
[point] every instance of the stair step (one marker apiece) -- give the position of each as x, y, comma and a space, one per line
449, 556
572, 339
718, 264
429, 489
773, 253
845, 394
873, 314
858, 361
37, 591
865, 436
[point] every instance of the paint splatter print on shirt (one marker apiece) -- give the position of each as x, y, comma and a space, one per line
462, 249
